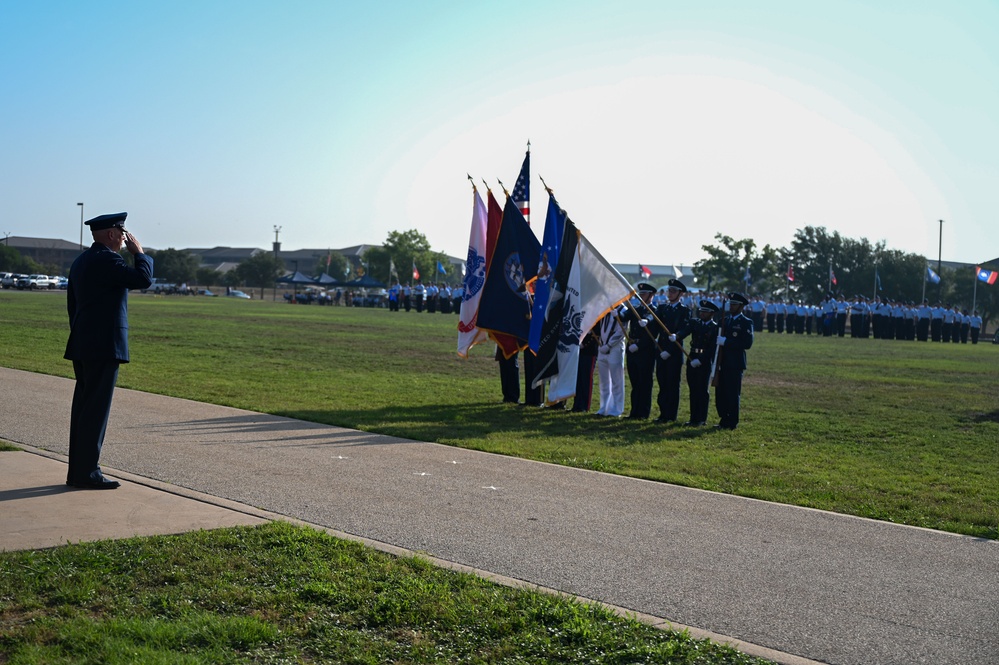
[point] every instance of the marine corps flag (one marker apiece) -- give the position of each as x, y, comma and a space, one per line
505, 306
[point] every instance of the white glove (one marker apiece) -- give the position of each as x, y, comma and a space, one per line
604, 349
721, 341
664, 355
672, 338
632, 348
643, 322
695, 363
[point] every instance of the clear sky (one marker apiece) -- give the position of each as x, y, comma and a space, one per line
657, 123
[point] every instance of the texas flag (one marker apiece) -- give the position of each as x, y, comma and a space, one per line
987, 276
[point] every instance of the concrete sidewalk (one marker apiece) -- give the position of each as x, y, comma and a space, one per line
786, 583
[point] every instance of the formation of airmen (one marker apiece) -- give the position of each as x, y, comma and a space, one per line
431, 298
864, 317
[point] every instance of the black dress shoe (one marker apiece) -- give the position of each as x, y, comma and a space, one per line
102, 484
665, 420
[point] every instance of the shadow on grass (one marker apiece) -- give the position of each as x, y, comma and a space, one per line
397, 425
992, 417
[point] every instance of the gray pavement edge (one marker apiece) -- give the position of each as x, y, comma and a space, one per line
196, 510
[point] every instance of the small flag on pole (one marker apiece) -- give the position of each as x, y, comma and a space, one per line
877, 279
646, 273
416, 273
931, 276
747, 278
987, 276
832, 276
790, 272
441, 269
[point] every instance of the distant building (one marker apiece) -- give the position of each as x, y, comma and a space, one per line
46, 251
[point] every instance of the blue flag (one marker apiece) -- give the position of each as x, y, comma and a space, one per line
931, 276
554, 226
505, 306
440, 268
877, 279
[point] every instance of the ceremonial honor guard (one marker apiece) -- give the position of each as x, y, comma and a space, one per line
642, 351
735, 338
703, 333
97, 302
674, 315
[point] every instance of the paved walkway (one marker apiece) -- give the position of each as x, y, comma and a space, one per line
788, 583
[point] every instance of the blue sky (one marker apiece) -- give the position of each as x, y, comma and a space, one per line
657, 124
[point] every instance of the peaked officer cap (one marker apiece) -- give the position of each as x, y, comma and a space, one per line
707, 306
111, 221
644, 287
739, 298
676, 284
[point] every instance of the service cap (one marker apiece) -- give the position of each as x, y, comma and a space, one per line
739, 298
707, 306
645, 287
676, 284
113, 220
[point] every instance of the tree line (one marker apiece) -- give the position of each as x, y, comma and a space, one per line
860, 268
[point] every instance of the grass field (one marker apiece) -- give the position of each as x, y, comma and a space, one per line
900, 431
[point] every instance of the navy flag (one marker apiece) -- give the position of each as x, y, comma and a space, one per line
505, 305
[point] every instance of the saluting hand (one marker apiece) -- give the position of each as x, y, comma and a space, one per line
132, 245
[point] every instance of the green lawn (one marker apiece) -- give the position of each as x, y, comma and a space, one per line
284, 594
900, 431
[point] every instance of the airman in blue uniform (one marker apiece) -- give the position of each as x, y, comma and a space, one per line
97, 302
735, 338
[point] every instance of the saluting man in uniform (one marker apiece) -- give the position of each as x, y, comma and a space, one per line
669, 365
97, 302
735, 338
642, 351
703, 333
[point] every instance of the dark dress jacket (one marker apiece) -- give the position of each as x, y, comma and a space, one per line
97, 302
738, 333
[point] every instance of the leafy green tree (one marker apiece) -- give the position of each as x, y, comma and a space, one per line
12, 260
337, 268
965, 290
406, 249
208, 276
728, 259
260, 270
174, 265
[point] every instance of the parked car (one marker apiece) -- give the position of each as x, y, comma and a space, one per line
234, 293
10, 282
205, 292
161, 287
62, 283
34, 282
6, 280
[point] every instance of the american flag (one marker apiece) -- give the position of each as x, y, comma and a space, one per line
522, 190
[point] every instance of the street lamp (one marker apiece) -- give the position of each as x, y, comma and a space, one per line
81, 225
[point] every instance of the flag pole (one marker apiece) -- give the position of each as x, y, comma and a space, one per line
926, 275
974, 291
876, 281
634, 294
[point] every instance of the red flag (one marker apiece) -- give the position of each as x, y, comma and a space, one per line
832, 276
646, 273
790, 272
416, 273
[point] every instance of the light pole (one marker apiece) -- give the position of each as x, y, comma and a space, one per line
81, 225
